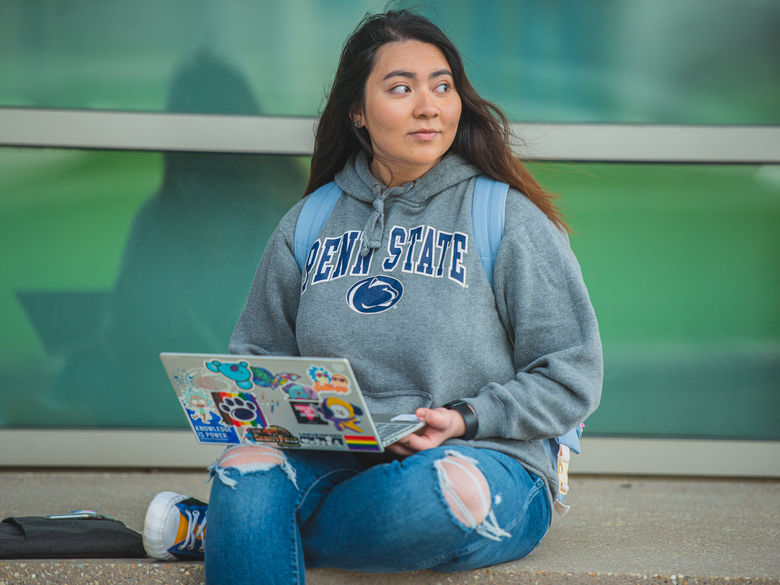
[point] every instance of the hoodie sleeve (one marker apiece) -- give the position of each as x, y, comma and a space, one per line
267, 323
544, 305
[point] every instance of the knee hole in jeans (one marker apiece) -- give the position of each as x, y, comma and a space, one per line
251, 459
465, 490
250, 455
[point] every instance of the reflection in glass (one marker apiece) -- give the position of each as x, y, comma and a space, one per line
183, 277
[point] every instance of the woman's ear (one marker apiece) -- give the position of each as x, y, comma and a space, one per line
358, 120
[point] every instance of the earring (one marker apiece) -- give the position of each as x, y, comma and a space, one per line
357, 123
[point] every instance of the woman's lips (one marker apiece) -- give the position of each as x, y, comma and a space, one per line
425, 134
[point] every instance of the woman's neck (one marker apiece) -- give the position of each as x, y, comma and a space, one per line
396, 176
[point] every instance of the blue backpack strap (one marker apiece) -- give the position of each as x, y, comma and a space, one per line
570, 440
316, 209
487, 215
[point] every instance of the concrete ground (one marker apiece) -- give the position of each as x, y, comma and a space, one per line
620, 530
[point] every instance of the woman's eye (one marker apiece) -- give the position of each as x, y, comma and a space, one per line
443, 87
400, 89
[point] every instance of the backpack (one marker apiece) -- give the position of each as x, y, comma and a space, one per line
487, 215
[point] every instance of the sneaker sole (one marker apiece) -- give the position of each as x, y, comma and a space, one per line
153, 536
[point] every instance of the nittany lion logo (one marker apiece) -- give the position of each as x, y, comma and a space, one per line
374, 294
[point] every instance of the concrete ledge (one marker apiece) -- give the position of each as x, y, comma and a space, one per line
621, 530
142, 572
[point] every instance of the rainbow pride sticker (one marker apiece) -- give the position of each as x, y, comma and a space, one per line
361, 443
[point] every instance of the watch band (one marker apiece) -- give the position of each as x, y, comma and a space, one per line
469, 417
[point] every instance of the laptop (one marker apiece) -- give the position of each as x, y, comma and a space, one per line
287, 402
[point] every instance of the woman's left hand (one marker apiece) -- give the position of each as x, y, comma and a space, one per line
440, 424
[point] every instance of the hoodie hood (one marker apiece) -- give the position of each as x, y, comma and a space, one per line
357, 181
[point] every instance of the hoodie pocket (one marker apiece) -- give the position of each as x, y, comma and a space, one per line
398, 401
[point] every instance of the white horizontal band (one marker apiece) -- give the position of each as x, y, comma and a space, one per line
165, 132
691, 457
295, 136
649, 143
146, 448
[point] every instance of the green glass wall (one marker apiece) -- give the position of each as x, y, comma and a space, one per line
683, 266
629, 61
111, 257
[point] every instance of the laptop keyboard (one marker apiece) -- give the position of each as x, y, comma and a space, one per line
387, 429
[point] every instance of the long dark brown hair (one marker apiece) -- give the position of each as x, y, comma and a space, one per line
483, 137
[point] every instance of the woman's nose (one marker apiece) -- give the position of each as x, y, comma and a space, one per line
425, 107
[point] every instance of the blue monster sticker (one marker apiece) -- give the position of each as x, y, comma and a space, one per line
374, 294
238, 372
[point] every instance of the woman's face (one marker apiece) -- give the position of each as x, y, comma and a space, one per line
411, 110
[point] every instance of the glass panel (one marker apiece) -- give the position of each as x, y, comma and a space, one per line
682, 265
630, 61
115, 257
112, 256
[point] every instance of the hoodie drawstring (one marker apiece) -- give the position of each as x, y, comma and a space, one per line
375, 226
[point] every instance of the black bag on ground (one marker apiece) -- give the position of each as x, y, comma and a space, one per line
34, 537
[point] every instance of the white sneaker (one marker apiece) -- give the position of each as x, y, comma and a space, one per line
175, 527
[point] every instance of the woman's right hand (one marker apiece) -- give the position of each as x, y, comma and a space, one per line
440, 424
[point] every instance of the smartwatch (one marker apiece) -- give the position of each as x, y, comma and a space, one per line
469, 417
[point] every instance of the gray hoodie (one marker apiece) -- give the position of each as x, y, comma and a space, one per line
394, 284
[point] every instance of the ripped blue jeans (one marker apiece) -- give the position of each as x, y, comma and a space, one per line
271, 514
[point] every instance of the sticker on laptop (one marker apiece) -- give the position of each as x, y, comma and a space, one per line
344, 415
274, 434
296, 391
238, 372
265, 379
314, 440
362, 443
239, 409
199, 405
307, 412
326, 381
213, 429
